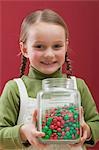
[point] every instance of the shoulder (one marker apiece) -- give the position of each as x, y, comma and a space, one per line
80, 82
10, 95
10, 88
11, 85
83, 87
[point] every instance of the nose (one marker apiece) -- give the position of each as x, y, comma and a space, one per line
49, 53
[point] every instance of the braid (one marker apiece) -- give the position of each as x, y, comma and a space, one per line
23, 65
68, 64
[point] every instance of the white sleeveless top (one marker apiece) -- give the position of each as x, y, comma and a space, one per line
26, 110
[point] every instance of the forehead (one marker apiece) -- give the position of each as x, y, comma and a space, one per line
46, 31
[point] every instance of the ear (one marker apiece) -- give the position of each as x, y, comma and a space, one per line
66, 43
23, 49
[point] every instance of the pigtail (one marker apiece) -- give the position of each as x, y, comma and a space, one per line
23, 65
68, 66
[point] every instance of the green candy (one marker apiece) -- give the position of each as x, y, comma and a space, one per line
72, 107
70, 123
59, 137
72, 128
58, 110
45, 129
58, 114
63, 129
49, 121
66, 125
74, 125
49, 132
65, 137
66, 117
76, 113
71, 132
74, 131
55, 131
78, 125
69, 137
77, 136
59, 134
67, 133
46, 137
75, 116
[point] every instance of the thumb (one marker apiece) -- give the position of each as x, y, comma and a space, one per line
37, 133
82, 115
35, 116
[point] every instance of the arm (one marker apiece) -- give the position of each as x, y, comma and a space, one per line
9, 108
30, 135
91, 115
13, 136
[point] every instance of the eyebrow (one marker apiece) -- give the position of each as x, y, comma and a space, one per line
39, 42
59, 41
44, 42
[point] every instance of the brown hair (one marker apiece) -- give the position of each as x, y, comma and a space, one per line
45, 15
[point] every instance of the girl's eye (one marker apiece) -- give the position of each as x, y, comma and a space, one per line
57, 46
39, 46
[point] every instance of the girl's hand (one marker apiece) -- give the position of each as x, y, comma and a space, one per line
29, 132
86, 132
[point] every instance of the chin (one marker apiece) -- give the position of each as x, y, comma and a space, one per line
49, 72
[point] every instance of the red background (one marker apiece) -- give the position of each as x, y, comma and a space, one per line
82, 18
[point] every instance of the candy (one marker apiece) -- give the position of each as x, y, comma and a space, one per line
61, 123
66, 117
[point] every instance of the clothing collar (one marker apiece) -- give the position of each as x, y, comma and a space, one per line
35, 74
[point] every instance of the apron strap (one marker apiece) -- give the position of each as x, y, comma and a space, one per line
22, 89
75, 82
27, 104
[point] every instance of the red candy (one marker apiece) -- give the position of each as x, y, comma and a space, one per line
59, 129
58, 124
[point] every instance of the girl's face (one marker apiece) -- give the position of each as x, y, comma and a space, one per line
45, 47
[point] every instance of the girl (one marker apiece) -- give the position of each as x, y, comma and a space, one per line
44, 42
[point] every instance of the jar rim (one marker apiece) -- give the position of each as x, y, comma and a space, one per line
57, 82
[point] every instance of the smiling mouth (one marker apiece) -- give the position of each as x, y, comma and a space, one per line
48, 63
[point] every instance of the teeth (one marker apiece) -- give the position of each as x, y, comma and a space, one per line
48, 63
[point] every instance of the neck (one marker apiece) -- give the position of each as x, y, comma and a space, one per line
33, 73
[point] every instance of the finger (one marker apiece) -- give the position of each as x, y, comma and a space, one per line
82, 115
76, 144
84, 136
35, 141
35, 117
37, 144
82, 110
84, 133
40, 145
38, 134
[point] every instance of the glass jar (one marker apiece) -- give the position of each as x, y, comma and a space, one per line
59, 111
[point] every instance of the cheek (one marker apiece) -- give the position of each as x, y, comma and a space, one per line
35, 56
61, 55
